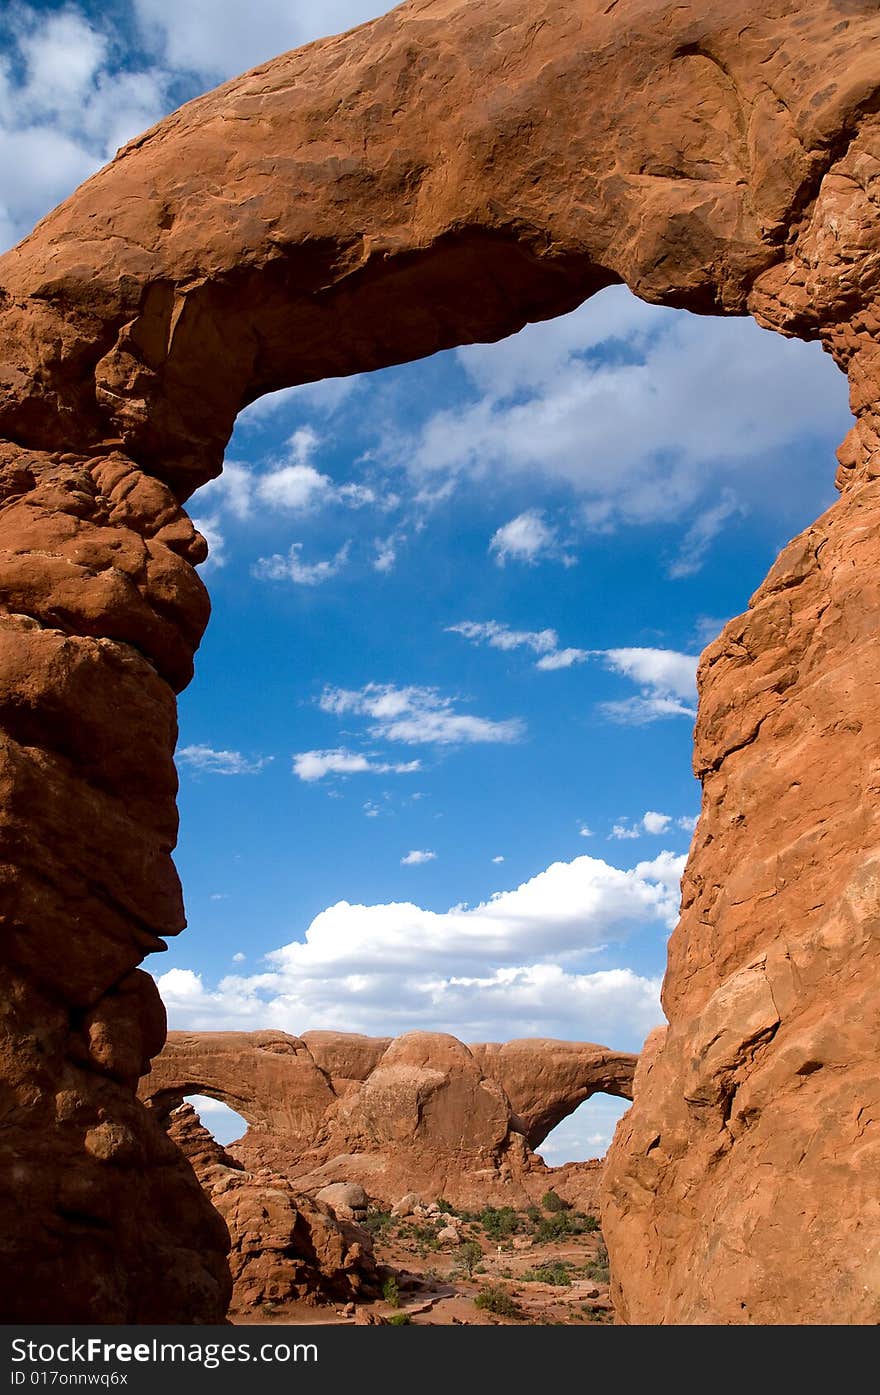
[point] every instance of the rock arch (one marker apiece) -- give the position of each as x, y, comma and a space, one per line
306, 1097
441, 175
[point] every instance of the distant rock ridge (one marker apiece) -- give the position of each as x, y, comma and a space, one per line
420, 1112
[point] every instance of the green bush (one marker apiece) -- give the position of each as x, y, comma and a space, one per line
425, 1237
391, 1292
561, 1224
500, 1222
557, 1274
377, 1223
552, 1201
399, 1320
468, 1258
496, 1299
445, 1207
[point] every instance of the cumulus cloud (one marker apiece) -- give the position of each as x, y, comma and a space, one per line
220, 38
667, 679
416, 715
65, 107
416, 856
293, 568
498, 858
239, 958
314, 765
652, 823
207, 761
544, 643
527, 538
518, 961
641, 412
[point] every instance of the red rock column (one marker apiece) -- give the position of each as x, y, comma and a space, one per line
101, 1220
742, 1186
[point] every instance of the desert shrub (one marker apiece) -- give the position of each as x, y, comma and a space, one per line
561, 1224
391, 1292
552, 1201
399, 1320
499, 1222
558, 1274
425, 1237
468, 1257
598, 1269
445, 1207
533, 1214
495, 1299
378, 1223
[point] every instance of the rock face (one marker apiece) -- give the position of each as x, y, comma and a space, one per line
444, 175
421, 1113
284, 1247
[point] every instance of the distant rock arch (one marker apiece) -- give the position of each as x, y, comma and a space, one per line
464, 1119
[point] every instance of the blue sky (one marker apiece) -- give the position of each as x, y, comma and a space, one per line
435, 764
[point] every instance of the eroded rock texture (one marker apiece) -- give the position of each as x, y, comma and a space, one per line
420, 1113
284, 1246
443, 175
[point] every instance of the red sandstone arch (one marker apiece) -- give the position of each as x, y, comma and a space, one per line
286, 1086
442, 175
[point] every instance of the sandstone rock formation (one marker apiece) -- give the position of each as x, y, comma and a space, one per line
444, 175
421, 1113
284, 1247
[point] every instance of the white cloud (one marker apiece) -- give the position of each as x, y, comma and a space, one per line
214, 536
416, 715
585, 831
527, 538
542, 642
386, 552
623, 830
64, 109
665, 671
667, 678
697, 400
207, 761
515, 964
499, 858
220, 38
326, 396
562, 658
239, 958
416, 856
293, 568
314, 765
653, 823
702, 533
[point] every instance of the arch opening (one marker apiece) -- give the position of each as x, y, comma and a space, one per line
222, 1122
585, 1134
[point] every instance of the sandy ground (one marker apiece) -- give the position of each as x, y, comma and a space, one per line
435, 1289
